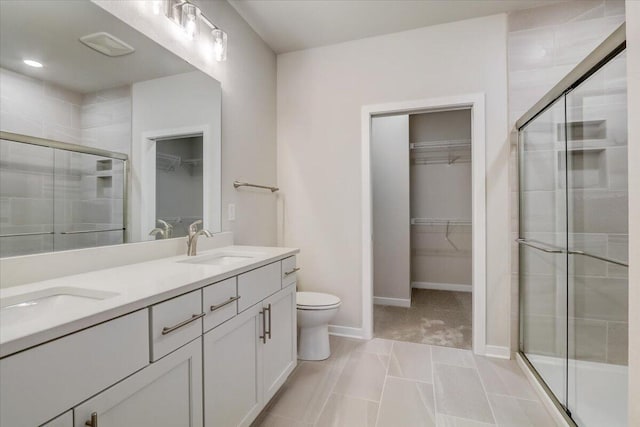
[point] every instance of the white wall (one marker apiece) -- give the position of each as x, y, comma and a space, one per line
633, 102
248, 80
320, 95
390, 207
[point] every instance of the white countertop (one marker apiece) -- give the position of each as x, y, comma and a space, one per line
137, 286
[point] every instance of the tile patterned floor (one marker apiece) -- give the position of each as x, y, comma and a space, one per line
385, 383
435, 317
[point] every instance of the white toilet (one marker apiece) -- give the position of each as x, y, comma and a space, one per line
315, 311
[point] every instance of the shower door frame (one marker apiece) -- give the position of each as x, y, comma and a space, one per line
83, 149
598, 58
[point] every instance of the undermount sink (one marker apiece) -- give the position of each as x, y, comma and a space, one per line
40, 303
221, 259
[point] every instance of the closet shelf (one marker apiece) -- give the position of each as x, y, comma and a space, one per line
442, 221
439, 221
434, 152
446, 145
167, 162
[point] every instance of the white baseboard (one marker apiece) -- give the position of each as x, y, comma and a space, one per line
442, 286
397, 302
346, 331
557, 416
497, 351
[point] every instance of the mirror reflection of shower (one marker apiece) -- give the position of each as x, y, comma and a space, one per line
179, 185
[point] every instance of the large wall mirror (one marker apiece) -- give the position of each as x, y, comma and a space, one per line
107, 137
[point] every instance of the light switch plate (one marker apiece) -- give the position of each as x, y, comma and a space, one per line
231, 212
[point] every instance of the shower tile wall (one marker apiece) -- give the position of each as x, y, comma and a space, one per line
544, 45
85, 188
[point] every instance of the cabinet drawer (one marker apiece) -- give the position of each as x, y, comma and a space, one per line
220, 302
256, 285
289, 270
64, 420
175, 322
42, 382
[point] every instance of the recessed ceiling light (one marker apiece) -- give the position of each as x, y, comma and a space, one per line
32, 63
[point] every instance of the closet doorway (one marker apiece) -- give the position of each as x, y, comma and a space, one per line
426, 196
421, 165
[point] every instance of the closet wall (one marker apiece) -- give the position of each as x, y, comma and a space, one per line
440, 179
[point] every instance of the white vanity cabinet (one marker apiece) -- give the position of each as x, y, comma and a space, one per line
213, 356
233, 370
248, 358
279, 353
41, 383
167, 393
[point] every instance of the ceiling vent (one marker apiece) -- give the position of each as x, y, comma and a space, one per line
107, 44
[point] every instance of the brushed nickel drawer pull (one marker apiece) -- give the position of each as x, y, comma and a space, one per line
229, 301
263, 337
93, 422
268, 333
194, 317
286, 273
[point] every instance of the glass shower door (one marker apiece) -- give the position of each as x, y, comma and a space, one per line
597, 241
542, 243
89, 200
26, 199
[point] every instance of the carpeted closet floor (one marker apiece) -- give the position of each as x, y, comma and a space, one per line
435, 317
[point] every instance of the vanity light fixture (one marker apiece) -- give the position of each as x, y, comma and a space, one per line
156, 5
219, 44
189, 20
188, 16
32, 63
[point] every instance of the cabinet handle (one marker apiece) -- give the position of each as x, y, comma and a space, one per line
93, 422
287, 273
194, 317
268, 333
263, 337
229, 301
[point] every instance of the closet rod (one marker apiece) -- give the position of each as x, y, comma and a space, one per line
438, 145
439, 221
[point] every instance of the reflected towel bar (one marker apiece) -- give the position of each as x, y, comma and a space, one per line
237, 184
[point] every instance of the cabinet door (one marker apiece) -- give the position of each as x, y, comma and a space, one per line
167, 393
233, 371
279, 352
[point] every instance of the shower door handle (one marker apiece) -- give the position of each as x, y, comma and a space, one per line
541, 246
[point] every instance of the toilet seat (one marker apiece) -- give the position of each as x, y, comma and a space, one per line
316, 301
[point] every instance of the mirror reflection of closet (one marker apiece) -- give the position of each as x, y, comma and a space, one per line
179, 185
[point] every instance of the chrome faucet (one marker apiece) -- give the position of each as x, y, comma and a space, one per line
192, 238
165, 232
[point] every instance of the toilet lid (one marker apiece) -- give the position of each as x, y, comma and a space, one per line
316, 299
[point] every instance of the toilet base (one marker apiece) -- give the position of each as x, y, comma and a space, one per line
313, 343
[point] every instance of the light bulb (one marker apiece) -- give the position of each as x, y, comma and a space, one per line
219, 44
189, 20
